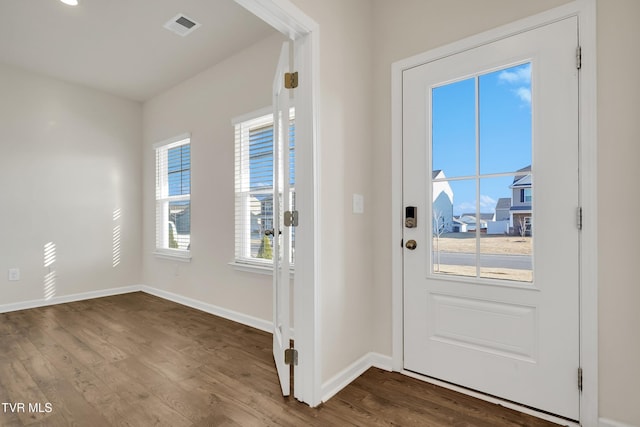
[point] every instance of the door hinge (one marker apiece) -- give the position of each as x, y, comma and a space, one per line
291, 356
579, 57
291, 80
580, 379
291, 219
579, 218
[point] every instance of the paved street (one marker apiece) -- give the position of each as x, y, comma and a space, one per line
517, 262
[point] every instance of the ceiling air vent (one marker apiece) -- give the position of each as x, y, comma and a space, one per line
181, 25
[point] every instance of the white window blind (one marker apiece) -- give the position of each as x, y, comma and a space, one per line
254, 183
173, 196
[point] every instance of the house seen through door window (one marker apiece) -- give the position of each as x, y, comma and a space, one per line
254, 188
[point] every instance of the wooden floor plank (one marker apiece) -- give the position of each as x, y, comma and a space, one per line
92, 339
138, 360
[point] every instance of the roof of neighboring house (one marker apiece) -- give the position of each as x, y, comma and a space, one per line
483, 216
441, 186
519, 176
464, 219
522, 179
525, 181
503, 203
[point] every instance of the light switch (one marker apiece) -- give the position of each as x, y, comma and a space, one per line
358, 204
14, 274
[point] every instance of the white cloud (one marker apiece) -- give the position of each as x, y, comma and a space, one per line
520, 75
487, 202
466, 207
524, 93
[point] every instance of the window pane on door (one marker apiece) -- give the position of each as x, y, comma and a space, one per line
506, 244
504, 100
454, 128
453, 226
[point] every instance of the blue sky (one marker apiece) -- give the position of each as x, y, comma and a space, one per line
504, 104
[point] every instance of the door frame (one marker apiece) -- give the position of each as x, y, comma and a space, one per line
585, 11
286, 18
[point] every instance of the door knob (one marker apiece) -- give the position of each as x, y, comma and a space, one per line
411, 244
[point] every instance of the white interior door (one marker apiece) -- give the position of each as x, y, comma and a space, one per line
490, 189
282, 237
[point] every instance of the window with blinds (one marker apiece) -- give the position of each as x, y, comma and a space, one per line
173, 196
254, 184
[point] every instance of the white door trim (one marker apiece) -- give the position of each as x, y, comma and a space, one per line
585, 10
293, 23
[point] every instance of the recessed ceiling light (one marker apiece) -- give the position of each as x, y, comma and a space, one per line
70, 2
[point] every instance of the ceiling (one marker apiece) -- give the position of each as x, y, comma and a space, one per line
120, 46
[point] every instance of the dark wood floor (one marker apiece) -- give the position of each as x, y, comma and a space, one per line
138, 360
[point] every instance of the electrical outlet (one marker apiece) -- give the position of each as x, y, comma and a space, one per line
14, 274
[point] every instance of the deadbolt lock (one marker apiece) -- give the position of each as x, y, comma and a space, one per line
411, 244
410, 217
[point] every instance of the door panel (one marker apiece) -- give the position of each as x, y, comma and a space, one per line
490, 303
489, 326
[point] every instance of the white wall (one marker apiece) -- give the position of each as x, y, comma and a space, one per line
70, 157
348, 240
204, 106
618, 158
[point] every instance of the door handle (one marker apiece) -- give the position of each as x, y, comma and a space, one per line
411, 244
271, 231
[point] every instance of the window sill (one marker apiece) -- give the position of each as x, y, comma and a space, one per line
182, 256
257, 268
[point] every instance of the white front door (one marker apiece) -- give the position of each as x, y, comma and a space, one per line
490, 194
283, 143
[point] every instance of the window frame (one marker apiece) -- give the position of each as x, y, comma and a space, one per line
162, 197
243, 125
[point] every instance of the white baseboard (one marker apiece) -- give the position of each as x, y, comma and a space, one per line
605, 422
235, 316
63, 299
381, 361
342, 379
